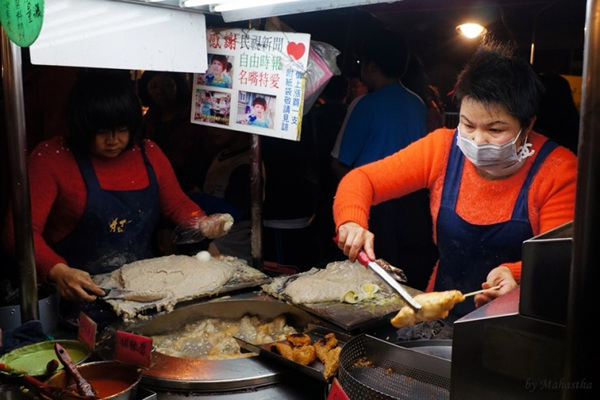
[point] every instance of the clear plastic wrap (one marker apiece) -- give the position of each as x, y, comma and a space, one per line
322, 65
200, 227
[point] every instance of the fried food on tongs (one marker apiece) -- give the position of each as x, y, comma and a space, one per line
434, 305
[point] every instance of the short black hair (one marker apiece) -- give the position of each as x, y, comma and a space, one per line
496, 75
103, 100
388, 51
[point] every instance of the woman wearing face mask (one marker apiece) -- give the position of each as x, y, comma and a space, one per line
493, 181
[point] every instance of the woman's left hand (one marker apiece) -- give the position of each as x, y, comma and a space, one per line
499, 276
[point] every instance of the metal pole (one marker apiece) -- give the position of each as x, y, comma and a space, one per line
19, 194
256, 200
582, 364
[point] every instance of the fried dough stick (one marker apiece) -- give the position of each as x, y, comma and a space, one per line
433, 305
328, 352
303, 353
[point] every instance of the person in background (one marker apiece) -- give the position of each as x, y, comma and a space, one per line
378, 124
321, 125
494, 181
415, 79
355, 89
558, 117
96, 195
227, 190
167, 122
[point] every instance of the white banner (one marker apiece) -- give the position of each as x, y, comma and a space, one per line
110, 34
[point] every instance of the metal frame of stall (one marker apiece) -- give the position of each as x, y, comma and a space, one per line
580, 361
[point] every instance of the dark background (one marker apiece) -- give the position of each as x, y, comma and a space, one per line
429, 26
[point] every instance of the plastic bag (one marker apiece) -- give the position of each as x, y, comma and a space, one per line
321, 67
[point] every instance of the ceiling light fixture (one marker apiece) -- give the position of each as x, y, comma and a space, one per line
471, 30
195, 3
237, 5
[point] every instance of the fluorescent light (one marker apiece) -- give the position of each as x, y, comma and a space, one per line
236, 5
471, 30
195, 3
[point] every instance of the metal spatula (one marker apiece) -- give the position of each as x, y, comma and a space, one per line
132, 295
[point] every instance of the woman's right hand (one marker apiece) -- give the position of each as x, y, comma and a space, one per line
352, 238
74, 284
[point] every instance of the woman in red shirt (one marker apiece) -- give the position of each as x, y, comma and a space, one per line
97, 194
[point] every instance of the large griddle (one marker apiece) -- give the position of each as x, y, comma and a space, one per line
181, 374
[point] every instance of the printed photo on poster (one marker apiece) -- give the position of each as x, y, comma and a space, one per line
212, 106
256, 109
219, 73
254, 82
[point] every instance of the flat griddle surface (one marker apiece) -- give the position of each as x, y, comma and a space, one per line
360, 316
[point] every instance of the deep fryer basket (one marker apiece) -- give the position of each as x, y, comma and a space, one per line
391, 371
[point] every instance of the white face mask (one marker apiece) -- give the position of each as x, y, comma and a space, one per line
497, 160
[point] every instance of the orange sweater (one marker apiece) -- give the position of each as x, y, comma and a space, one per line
551, 197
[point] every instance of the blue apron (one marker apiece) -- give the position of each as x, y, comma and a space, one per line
116, 226
469, 252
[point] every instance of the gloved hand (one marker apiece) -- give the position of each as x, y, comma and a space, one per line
215, 225
201, 227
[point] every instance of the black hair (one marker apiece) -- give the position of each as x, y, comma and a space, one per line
388, 51
103, 100
495, 75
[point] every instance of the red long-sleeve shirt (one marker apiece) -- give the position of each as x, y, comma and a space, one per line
551, 196
59, 194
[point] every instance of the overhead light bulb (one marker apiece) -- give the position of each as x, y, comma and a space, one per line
236, 5
471, 30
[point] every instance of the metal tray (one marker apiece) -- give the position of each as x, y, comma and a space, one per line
371, 368
210, 376
315, 369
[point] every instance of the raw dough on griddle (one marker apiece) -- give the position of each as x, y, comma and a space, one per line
182, 276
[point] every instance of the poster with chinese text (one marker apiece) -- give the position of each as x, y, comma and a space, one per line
254, 82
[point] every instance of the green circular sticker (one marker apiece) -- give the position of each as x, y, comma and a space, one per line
22, 20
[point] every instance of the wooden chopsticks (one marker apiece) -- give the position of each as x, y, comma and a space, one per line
481, 291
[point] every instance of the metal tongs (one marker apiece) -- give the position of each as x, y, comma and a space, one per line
390, 274
383, 274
